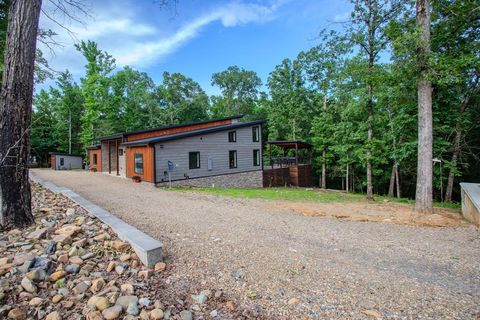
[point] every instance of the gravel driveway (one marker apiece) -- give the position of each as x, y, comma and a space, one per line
283, 265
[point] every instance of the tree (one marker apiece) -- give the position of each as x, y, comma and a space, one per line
16, 112
322, 65
455, 46
132, 101
182, 99
240, 90
367, 31
423, 196
95, 90
291, 109
44, 123
68, 102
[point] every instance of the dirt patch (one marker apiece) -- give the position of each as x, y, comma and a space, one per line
385, 212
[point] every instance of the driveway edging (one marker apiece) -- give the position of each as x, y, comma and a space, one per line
148, 249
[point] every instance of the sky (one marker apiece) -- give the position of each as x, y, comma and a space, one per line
196, 37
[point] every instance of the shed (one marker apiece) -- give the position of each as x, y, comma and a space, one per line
65, 161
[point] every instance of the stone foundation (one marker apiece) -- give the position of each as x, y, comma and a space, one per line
252, 179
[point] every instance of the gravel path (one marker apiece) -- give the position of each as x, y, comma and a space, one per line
283, 265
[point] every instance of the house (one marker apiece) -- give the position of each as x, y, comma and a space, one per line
221, 152
65, 161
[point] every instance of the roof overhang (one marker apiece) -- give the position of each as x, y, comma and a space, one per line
170, 137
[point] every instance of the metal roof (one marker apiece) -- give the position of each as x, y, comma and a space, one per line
192, 133
64, 154
123, 134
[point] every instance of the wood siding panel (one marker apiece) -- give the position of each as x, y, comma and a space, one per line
214, 146
98, 166
53, 162
162, 132
147, 162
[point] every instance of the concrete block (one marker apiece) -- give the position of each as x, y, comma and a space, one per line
471, 202
148, 249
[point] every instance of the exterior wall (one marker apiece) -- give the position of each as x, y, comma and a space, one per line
122, 170
98, 166
148, 165
53, 162
162, 132
110, 155
214, 146
251, 179
69, 162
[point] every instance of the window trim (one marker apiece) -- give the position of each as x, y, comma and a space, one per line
234, 136
135, 163
235, 160
256, 134
198, 160
256, 152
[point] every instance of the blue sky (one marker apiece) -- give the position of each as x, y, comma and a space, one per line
200, 38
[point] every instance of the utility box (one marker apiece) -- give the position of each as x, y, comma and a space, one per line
471, 202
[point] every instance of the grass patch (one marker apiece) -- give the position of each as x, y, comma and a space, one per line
301, 194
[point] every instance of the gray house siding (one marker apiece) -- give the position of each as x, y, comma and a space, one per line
214, 146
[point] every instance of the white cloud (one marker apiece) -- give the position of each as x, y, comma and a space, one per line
134, 40
230, 15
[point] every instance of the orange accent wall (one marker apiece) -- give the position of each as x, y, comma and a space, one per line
98, 152
162, 132
53, 162
148, 167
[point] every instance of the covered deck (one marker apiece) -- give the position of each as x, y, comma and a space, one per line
288, 170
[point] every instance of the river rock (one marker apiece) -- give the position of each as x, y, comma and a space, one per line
17, 314
28, 285
35, 302
53, 316
132, 309
72, 268
112, 312
124, 301
156, 314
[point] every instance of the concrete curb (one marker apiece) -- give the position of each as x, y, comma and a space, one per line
149, 250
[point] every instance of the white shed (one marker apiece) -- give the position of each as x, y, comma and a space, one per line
64, 161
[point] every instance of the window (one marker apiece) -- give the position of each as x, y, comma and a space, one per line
62, 161
194, 160
94, 159
256, 157
138, 163
232, 136
120, 152
255, 134
232, 159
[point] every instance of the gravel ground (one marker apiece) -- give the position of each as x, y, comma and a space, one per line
282, 265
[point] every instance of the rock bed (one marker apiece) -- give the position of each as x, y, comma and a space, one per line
70, 265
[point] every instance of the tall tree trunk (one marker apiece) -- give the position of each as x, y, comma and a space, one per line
369, 139
16, 112
397, 179
391, 187
324, 153
451, 174
423, 197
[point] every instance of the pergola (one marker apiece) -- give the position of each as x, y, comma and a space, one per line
289, 145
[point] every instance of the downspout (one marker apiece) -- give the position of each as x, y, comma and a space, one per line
154, 165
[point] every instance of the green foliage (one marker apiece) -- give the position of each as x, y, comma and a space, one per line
240, 90
182, 99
